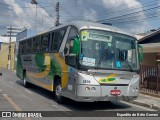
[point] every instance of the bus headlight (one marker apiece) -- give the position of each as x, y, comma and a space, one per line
87, 89
93, 89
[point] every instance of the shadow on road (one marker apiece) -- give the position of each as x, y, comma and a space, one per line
73, 105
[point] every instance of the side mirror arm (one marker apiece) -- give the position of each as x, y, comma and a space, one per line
140, 53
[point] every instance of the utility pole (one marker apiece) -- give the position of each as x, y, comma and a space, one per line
57, 18
12, 31
9, 54
35, 2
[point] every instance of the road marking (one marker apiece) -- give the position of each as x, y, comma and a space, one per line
14, 104
12, 82
28, 91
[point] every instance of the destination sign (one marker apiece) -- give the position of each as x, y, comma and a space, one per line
100, 37
85, 36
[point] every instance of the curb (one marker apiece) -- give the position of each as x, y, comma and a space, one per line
150, 94
146, 105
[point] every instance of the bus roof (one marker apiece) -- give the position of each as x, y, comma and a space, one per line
90, 25
87, 25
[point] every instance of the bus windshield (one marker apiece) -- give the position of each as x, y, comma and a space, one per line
108, 50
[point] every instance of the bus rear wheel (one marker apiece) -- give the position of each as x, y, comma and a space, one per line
58, 92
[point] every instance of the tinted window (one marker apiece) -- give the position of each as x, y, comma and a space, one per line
45, 42
52, 41
57, 38
23, 47
73, 32
69, 45
28, 46
20, 47
35, 47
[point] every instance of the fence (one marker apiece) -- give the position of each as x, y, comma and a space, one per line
150, 78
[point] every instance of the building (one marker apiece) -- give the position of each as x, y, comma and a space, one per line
151, 46
4, 50
4, 55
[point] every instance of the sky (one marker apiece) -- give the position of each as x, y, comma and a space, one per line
134, 16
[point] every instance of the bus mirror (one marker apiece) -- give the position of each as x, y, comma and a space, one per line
140, 53
70, 60
76, 45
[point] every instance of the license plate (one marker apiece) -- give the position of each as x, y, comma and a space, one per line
115, 92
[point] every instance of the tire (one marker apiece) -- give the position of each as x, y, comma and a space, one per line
58, 93
25, 83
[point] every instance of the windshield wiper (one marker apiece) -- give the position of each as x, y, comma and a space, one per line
131, 69
101, 58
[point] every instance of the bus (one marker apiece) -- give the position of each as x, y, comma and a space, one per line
82, 61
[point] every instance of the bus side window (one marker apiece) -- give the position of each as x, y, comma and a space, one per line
23, 50
52, 40
28, 45
57, 38
20, 48
69, 44
35, 47
45, 42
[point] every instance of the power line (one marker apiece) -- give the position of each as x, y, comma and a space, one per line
67, 12
147, 4
46, 11
123, 9
138, 20
24, 17
22, 6
127, 14
135, 16
112, 11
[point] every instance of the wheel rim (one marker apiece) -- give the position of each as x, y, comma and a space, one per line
24, 81
58, 90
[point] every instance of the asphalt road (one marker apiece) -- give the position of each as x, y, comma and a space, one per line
14, 97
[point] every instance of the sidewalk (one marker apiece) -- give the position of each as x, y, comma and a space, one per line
148, 101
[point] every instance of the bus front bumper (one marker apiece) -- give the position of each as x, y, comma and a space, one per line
91, 93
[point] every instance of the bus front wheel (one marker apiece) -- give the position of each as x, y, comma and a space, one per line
25, 83
58, 92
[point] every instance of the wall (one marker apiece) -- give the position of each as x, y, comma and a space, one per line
4, 55
149, 59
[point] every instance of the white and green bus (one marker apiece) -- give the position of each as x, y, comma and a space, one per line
82, 61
